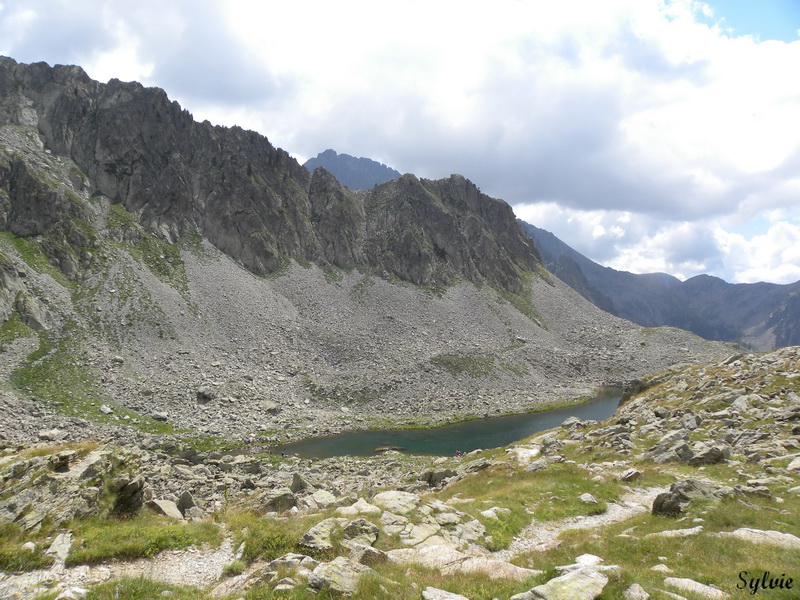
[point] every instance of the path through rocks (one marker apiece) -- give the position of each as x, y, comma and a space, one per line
543, 536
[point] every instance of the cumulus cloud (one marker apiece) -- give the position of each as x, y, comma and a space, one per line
642, 132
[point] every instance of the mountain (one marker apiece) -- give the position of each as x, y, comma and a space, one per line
355, 173
762, 316
179, 299
194, 280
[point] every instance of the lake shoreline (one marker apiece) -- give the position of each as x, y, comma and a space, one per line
471, 423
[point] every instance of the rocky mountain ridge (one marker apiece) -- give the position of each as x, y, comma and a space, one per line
355, 173
762, 316
133, 146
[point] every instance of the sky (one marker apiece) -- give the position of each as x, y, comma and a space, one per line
649, 135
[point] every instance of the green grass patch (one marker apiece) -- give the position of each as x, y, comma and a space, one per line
474, 365
518, 370
548, 495
13, 558
266, 538
703, 557
141, 588
212, 443
523, 301
406, 582
332, 274
58, 373
164, 261
96, 540
33, 256
12, 329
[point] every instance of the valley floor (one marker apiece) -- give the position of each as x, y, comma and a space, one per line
691, 490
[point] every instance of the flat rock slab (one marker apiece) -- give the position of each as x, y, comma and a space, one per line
760, 536
400, 503
676, 532
695, 587
583, 584
448, 561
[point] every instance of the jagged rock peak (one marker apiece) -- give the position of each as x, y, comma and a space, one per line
134, 146
355, 173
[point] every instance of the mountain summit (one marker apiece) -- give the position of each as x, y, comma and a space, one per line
355, 173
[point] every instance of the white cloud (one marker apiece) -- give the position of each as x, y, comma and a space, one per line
631, 124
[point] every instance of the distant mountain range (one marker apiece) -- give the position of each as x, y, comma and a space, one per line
761, 316
355, 173
758, 315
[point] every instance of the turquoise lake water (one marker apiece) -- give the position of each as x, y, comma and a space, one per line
445, 441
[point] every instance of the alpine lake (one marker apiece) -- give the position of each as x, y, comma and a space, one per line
464, 436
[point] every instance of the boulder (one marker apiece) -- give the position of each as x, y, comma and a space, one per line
668, 504
361, 531
449, 561
185, 502
760, 536
341, 575
691, 421
300, 484
676, 532
680, 493
73, 593
60, 547
435, 478
319, 537
278, 500
704, 454
396, 502
635, 592
52, 435
323, 498
582, 584
131, 494
630, 475
167, 508
366, 555
359, 507
206, 393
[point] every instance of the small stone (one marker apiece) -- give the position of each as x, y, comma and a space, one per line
635, 592
630, 475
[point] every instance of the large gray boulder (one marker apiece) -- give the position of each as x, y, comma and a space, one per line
341, 575
582, 584
278, 500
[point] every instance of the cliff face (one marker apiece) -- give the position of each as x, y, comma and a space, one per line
252, 201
